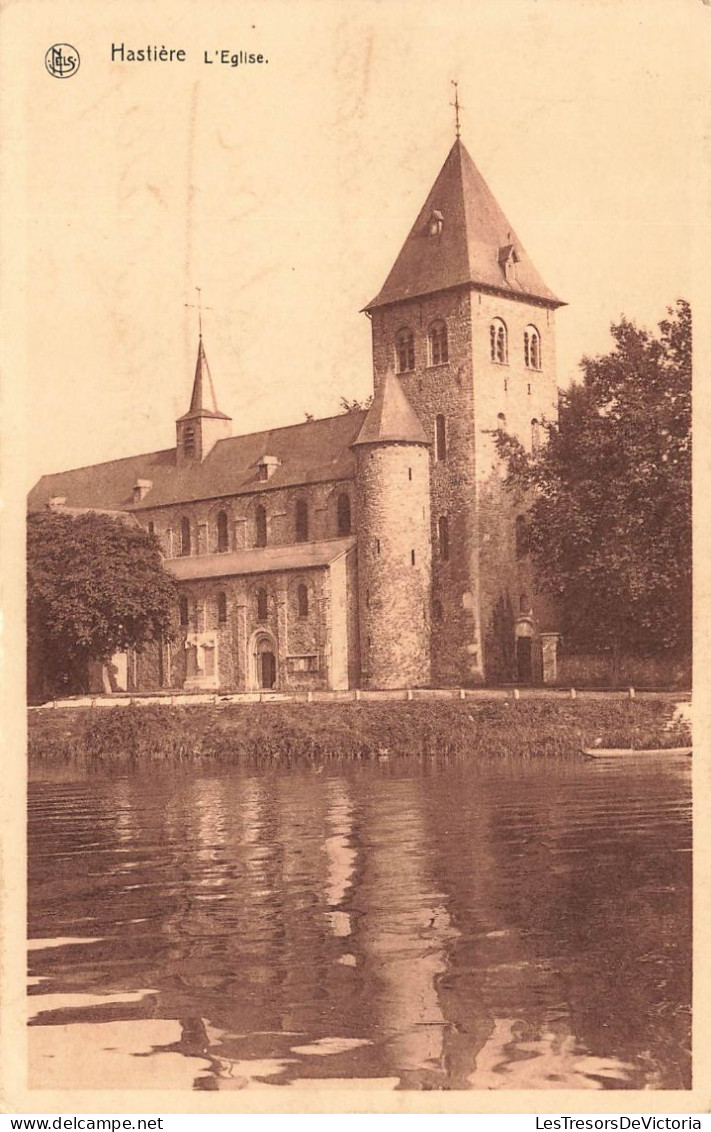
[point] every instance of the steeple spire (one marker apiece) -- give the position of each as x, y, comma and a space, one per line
203, 425
203, 399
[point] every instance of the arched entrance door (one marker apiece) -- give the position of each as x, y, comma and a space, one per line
264, 661
524, 660
524, 650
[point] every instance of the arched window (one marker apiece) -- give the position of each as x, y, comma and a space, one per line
535, 435
260, 523
184, 535
523, 542
405, 350
443, 537
302, 520
344, 514
499, 342
302, 600
437, 344
223, 535
183, 610
262, 605
440, 437
532, 348
221, 608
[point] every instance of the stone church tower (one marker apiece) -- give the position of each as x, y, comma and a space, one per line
467, 324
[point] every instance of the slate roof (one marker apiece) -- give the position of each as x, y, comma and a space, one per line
467, 250
391, 417
312, 452
259, 560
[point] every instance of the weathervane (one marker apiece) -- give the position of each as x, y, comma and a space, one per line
456, 106
199, 308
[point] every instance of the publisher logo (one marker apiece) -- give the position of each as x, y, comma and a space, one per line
62, 60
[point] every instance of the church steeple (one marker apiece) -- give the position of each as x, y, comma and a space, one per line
203, 398
203, 425
461, 237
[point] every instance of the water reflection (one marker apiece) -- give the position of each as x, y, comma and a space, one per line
447, 926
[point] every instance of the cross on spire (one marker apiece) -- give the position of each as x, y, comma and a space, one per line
456, 106
199, 308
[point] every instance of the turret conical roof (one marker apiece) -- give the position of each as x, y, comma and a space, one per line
391, 418
461, 237
203, 402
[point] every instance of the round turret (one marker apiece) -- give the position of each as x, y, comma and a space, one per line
394, 549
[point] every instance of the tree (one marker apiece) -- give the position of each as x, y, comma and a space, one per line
353, 405
95, 586
610, 491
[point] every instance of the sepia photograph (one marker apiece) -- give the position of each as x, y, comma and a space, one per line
354, 456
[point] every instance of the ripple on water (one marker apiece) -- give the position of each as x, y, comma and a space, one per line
482, 927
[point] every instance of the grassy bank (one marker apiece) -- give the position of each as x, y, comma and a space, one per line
286, 733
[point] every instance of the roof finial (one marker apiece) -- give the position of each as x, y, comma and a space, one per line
199, 307
456, 106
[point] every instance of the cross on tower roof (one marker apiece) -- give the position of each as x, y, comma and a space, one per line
456, 106
199, 308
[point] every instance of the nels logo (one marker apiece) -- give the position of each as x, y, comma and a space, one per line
62, 60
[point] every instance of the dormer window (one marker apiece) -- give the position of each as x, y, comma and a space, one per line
267, 467
405, 350
508, 258
435, 224
140, 489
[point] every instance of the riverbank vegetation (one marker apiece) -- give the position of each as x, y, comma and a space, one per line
291, 733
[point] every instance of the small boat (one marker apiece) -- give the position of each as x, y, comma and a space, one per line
620, 752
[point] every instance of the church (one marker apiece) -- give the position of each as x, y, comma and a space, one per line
379, 548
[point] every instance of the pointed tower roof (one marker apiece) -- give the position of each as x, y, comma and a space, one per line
391, 418
203, 402
462, 237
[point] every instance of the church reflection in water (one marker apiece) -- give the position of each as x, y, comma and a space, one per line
433, 928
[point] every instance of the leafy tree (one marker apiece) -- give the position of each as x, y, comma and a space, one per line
610, 491
353, 405
95, 586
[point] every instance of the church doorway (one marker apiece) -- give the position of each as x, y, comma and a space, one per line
264, 663
267, 674
524, 660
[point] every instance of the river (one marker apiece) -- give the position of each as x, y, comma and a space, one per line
397, 925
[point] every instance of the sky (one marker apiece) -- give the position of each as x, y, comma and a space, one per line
285, 191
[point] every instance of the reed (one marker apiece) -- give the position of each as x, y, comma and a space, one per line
290, 733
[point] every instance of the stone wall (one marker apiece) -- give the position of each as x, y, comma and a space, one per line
394, 565
280, 506
596, 670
